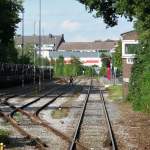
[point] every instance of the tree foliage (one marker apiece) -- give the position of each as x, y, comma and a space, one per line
9, 17
139, 11
74, 68
110, 10
30, 56
59, 66
105, 62
139, 86
117, 57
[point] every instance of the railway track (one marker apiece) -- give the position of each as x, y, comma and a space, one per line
18, 91
93, 128
33, 118
86, 130
27, 117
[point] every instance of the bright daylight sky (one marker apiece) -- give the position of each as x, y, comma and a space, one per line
70, 18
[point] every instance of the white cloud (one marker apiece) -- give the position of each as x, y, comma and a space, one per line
70, 25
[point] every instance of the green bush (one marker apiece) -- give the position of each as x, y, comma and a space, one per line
115, 92
139, 87
103, 71
4, 135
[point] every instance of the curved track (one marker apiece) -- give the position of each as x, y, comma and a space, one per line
32, 118
10, 117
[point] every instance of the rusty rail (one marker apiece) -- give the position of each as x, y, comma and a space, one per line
77, 131
110, 129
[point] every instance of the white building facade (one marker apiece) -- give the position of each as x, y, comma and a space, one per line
129, 46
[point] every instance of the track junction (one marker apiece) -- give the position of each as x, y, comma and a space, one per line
86, 126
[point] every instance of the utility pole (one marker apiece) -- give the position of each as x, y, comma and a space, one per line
22, 46
34, 49
43, 61
40, 43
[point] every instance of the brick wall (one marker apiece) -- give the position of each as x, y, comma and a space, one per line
126, 69
126, 74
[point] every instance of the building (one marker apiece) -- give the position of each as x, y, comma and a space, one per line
53, 46
48, 43
129, 45
86, 58
88, 52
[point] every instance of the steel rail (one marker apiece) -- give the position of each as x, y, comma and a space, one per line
110, 129
77, 131
10, 95
36, 119
45, 124
39, 122
41, 145
34, 101
14, 123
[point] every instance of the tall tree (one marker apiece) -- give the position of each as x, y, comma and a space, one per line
59, 66
139, 10
9, 17
76, 66
117, 57
110, 10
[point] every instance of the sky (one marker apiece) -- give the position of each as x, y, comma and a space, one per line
69, 17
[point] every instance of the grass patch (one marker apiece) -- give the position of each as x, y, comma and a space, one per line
4, 136
18, 116
59, 113
115, 92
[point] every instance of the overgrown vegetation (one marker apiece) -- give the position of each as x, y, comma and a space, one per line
74, 68
18, 116
9, 17
115, 92
30, 56
60, 113
139, 10
139, 89
117, 57
4, 135
105, 62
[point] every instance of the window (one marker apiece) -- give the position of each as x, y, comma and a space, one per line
130, 60
131, 48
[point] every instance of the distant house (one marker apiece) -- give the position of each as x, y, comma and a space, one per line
53, 46
129, 46
86, 58
88, 52
48, 43
88, 46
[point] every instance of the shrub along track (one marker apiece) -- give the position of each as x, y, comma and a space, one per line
34, 118
92, 126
